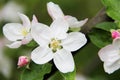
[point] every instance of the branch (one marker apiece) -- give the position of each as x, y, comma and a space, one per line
101, 16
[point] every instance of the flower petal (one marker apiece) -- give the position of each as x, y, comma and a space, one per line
74, 41
80, 23
110, 69
25, 20
107, 53
27, 39
41, 34
116, 42
59, 28
64, 61
41, 55
15, 44
12, 31
54, 11
70, 19
34, 19
74, 23
110, 55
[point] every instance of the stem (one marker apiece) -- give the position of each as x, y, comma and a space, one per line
101, 16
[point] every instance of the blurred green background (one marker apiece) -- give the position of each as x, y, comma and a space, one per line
88, 64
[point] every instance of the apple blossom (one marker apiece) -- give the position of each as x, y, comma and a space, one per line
110, 55
18, 33
22, 61
55, 12
55, 43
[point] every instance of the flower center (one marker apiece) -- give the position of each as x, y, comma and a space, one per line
55, 45
24, 32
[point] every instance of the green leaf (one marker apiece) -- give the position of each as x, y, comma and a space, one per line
32, 44
107, 26
36, 72
100, 35
70, 75
57, 76
112, 8
100, 38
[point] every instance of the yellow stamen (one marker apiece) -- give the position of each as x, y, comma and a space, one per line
24, 32
54, 44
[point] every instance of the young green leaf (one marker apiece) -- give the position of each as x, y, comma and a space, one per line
36, 72
100, 38
112, 8
32, 44
107, 26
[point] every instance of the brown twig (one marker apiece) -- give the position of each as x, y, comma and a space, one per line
100, 17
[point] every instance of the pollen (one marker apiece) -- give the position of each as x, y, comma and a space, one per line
24, 32
55, 44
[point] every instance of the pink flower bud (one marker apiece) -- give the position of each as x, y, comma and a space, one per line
115, 34
23, 60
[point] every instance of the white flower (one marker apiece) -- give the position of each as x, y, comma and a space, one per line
9, 12
110, 55
55, 12
18, 33
55, 43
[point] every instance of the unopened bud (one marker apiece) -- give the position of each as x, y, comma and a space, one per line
115, 34
22, 61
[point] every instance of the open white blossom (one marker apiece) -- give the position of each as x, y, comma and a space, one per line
18, 33
55, 43
55, 12
110, 55
9, 12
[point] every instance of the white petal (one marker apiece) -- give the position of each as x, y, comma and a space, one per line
34, 20
116, 42
27, 39
41, 34
12, 31
79, 23
70, 19
54, 11
25, 20
41, 55
106, 52
110, 55
59, 28
74, 41
15, 44
64, 61
74, 23
112, 68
